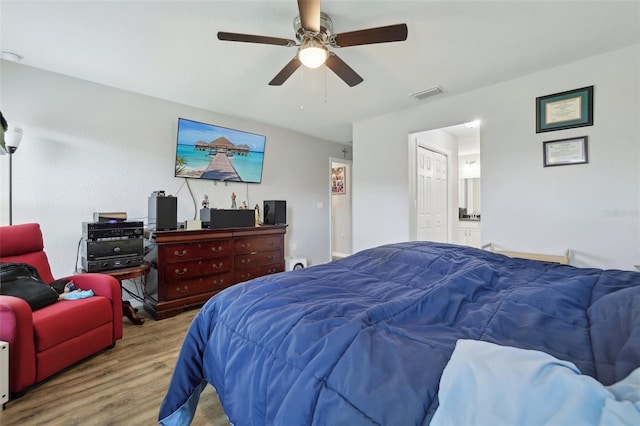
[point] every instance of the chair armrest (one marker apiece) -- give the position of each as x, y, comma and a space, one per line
101, 284
106, 286
16, 328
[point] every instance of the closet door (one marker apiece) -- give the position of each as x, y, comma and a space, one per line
432, 195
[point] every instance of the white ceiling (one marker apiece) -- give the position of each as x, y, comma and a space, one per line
169, 50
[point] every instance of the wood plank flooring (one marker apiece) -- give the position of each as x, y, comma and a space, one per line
121, 386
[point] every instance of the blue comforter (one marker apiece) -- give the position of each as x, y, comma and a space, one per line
365, 339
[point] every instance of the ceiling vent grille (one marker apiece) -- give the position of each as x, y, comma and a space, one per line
432, 91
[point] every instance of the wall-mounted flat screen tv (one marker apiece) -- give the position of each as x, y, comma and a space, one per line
207, 151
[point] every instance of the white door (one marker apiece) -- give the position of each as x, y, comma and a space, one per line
432, 195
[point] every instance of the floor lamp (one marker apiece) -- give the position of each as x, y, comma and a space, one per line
12, 139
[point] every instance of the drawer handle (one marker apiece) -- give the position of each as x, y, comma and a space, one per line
176, 253
271, 243
246, 276
271, 257
246, 260
184, 271
219, 249
271, 271
218, 266
216, 282
243, 245
182, 290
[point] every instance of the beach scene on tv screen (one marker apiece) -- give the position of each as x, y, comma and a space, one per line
207, 151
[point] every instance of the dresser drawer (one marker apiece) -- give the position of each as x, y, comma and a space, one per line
188, 251
253, 244
249, 274
252, 260
196, 286
196, 268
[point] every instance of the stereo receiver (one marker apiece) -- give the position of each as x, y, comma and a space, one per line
98, 230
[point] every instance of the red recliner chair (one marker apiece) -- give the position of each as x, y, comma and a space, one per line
47, 340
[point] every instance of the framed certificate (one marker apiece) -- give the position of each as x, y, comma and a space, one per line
563, 152
565, 110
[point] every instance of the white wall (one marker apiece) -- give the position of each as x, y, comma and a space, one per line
90, 148
593, 209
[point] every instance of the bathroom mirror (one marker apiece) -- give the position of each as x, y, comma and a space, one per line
469, 195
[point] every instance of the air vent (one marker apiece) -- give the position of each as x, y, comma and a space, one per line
432, 91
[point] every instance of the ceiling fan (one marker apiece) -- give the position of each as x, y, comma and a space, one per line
314, 34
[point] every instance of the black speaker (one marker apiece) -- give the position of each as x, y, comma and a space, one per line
163, 212
228, 218
275, 212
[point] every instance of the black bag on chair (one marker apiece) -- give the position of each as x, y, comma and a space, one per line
22, 280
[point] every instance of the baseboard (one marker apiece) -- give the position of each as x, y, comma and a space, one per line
338, 255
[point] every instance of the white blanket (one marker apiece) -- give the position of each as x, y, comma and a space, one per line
488, 384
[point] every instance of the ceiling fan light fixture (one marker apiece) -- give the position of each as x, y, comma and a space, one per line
312, 53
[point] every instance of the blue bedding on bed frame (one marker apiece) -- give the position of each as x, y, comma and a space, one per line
364, 340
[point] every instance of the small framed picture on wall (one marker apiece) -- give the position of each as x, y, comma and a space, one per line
338, 180
563, 152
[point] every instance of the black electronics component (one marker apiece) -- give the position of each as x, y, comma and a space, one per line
275, 212
228, 218
112, 245
163, 212
99, 230
111, 264
105, 249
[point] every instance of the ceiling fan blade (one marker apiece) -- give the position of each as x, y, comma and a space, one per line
342, 70
370, 36
310, 14
248, 38
286, 72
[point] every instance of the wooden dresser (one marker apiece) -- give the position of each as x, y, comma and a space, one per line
188, 267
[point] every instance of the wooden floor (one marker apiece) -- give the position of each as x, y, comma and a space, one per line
121, 386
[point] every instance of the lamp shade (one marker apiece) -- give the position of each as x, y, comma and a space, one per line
312, 53
13, 137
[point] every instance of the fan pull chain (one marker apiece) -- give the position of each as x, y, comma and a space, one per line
301, 89
325, 84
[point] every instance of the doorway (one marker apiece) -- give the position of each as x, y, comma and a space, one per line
340, 218
460, 145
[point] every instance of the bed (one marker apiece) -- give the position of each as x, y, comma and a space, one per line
417, 333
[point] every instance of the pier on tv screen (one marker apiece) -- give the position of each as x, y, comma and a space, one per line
207, 151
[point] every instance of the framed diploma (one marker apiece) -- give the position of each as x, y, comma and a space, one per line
563, 152
565, 110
